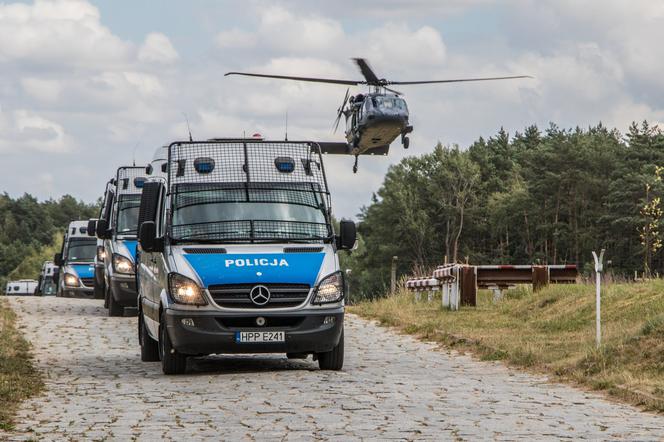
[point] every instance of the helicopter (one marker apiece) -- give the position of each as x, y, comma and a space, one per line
373, 119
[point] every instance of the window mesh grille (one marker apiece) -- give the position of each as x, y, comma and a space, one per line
246, 171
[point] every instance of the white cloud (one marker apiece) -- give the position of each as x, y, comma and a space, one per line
57, 33
397, 42
42, 89
23, 130
285, 30
236, 39
157, 48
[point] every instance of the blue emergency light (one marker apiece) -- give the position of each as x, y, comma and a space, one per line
204, 165
284, 164
139, 181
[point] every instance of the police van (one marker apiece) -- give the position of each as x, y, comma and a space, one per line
22, 287
238, 255
47, 284
76, 262
118, 228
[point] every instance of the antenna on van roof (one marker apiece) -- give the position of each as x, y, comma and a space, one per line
286, 136
188, 128
133, 154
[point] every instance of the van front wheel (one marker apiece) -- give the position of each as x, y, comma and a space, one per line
333, 360
114, 309
172, 362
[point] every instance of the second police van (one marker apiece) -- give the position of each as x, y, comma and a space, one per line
238, 255
76, 261
118, 228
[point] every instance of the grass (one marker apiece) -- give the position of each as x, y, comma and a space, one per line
18, 377
552, 331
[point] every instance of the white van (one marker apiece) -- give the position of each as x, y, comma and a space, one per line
238, 255
22, 287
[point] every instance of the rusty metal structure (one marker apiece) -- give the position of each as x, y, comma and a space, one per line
459, 283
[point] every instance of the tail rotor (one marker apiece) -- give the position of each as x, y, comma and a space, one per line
340, 111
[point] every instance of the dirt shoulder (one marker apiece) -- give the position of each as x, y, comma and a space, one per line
19, 379
552, 332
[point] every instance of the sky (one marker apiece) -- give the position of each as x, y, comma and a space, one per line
88, 86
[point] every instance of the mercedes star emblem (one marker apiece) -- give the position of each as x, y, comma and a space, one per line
259, 295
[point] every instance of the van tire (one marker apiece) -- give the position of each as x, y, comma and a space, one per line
172, 362
333, 360
105, 297
149, 347
99, 292
114, 309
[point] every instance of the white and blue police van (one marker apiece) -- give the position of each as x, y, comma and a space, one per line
118, 229
47, 284
238, 255
76, 262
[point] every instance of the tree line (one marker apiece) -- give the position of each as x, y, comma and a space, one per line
30, 231
548, 197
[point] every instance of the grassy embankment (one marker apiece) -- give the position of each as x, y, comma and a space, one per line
18, 377
552, 331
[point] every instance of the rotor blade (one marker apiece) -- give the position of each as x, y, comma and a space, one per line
393, 91
336, 122
459, 80
287, 77
366, 70
345, 100
341, 110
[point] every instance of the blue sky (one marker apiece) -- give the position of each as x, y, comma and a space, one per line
88, 85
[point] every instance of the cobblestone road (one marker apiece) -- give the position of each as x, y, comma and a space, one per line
392, 387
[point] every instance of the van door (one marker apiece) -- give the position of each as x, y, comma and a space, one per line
151, 209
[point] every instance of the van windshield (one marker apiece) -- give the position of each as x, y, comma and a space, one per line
249, 212
82, 250
127, 223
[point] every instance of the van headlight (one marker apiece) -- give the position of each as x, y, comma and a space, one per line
122, 264
330, 289
72, 280
184, 290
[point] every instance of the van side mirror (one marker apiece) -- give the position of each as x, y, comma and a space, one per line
57, 259
347, 235
102, 229
92, 227
147, 236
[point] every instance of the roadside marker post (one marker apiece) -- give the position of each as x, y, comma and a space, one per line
599, 268
393, 275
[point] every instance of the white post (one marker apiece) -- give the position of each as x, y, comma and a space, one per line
446, 294
598, 280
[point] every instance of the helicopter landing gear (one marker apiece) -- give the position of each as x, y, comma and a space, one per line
405, 141
355, 165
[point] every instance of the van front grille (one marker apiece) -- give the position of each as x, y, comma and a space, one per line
88, 282
237, 295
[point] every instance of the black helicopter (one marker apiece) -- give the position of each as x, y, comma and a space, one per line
374, 119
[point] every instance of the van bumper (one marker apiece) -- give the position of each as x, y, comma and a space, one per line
215, 332
123, 290
78, 292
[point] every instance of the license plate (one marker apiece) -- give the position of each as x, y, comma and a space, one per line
260, 336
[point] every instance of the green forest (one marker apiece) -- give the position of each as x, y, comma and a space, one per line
538, 196
31, 232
